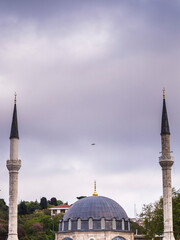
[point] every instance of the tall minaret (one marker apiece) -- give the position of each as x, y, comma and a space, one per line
166, 161
13, 165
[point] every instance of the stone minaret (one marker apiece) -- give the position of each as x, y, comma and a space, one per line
13, 165
166, 161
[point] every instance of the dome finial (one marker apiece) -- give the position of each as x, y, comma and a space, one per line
15, 94
163, 93
95, 193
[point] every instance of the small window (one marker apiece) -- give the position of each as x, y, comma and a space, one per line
103, 223
114, 224
123, 225
69, 224
129, 226
63, 226
79, 224
90, 223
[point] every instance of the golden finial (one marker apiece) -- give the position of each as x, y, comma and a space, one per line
95, 193
15, 97
163, 93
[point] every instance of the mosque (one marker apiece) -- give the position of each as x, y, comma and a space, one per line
95, 217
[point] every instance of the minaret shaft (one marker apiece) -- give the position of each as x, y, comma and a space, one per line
13, 165
166, 161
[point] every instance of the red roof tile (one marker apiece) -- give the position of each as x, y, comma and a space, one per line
62, 206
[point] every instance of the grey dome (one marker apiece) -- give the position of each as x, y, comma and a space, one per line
95, 207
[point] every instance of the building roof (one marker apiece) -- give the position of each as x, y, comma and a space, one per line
14, 126
62, 206
95, 207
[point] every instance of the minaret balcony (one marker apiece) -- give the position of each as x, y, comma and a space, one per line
13, 165
166, 162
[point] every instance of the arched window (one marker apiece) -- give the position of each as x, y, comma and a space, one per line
91, 238
90, 223
69, 224
118, 238
123, 225
63, 226
114, 224
79, 224
129, 226
67, 238
103, 226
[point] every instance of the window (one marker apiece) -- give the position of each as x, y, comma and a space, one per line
63, 226
103, 226
79, 224
118, 238
69, 224
123, 225
90, 223
114, 224
129, 226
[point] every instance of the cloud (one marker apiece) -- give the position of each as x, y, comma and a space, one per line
89, 72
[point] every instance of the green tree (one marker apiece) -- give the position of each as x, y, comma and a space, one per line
32, 206
43, 203
59, 202
22, 208
3, 210
152, 215
53, 201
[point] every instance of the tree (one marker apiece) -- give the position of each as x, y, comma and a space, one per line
59, 202
43, 203
152, 215
22, 208
3, 210
32, 206
53, 201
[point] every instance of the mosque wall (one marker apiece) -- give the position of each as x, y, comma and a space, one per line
95, 235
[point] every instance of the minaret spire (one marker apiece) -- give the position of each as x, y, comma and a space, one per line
164, 123
166, 161
14, 126
13, 165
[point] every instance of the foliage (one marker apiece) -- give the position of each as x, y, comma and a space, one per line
22, 208
43, 203
53, 201
59, 202
152, 215
39, 225
32, 206
136, 227
3, 229
3, 210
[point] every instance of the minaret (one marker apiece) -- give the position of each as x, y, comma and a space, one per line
166, 161
13, 165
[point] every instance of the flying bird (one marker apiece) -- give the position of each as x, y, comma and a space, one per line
93, 144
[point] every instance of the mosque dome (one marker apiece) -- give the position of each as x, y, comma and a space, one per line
95, 213
95, 207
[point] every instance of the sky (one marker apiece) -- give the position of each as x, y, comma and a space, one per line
90, 72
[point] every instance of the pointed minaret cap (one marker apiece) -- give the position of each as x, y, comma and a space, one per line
95, 193
164, 122
14, 126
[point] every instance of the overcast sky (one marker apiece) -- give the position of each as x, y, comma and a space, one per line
90, 72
